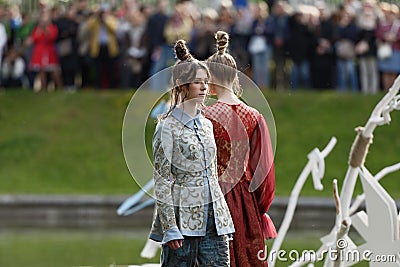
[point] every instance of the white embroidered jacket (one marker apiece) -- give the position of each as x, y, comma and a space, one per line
185, 176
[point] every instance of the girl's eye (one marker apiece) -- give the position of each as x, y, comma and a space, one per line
200, 81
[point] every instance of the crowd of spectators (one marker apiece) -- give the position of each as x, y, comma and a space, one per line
278, 45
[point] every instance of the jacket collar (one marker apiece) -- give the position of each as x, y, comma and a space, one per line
186, 119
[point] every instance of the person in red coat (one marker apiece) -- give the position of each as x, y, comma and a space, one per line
44, 55
245, 160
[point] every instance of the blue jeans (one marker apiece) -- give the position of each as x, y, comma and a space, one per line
260, 63
301, 71
209, 250
346, 72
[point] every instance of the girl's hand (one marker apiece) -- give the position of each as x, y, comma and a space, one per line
175, 244
390, 37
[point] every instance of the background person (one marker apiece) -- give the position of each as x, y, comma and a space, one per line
388, 31
13, 70
347, 35
367, 21
44, 58
67, 47
103, 45
260, 45
3, 34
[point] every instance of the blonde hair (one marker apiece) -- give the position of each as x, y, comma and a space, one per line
183, 73
222, 65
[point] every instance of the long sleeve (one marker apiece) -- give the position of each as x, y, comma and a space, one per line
111, 24
36, 34
91, 24
262, 167
162, 152
53, 33
3, 36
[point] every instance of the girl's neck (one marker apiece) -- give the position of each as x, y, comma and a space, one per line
189, 107
226, 95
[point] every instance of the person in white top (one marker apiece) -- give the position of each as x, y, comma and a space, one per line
13, 69
3, 36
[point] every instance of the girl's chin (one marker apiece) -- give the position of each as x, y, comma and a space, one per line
199, 98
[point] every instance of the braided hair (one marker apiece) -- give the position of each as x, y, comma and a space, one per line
222, 65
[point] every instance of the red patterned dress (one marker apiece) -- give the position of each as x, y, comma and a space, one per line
246, 176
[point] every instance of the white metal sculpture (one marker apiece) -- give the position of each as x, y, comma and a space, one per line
315, 166
379, 226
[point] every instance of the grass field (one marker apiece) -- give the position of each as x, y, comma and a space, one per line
108, 248
57, 143
71, 248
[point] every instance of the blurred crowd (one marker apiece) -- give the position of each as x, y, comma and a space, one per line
351, 47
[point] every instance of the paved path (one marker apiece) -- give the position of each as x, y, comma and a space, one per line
91, 211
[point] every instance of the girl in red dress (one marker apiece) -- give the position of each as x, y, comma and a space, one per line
44, 55
245, 160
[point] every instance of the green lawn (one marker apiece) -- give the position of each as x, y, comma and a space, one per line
108, 248
58, 143
71, 248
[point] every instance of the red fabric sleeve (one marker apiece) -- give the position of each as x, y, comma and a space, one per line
263, 173
36, 33
53, 33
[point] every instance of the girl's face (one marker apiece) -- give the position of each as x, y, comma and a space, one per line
45, 19
197, 90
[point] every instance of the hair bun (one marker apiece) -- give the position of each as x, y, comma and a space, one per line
181, 50
222, 41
